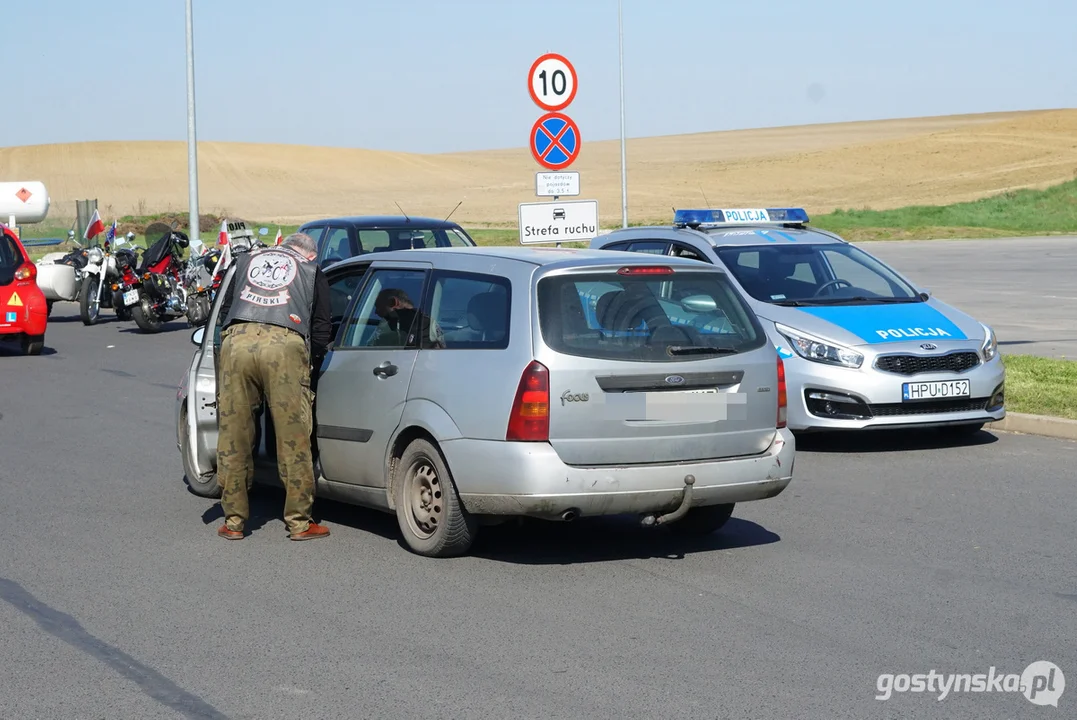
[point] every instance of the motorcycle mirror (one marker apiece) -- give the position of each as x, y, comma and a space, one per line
198, 335
263, 231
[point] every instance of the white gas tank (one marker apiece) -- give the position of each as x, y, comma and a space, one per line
27, 201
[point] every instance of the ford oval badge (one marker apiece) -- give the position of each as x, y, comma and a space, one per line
675, 380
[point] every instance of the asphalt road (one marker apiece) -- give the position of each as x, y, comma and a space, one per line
118, 600
1023, 287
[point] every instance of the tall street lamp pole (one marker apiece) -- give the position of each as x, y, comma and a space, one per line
624, 170
192, 142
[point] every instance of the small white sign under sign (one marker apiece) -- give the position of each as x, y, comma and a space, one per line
557, 184
557, 222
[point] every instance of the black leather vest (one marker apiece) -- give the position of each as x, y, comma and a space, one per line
274, 286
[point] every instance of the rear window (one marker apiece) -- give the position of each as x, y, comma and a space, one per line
686, 316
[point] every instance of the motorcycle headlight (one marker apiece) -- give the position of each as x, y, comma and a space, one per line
96, 255
818, 350
990, 347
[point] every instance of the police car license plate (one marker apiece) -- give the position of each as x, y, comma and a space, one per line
935, 390
130, 297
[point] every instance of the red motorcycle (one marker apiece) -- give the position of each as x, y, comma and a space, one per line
155, 291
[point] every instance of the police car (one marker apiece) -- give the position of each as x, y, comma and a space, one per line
863, 346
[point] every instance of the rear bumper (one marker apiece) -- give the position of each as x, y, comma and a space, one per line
505, 478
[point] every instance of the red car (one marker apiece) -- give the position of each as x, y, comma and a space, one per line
23, 310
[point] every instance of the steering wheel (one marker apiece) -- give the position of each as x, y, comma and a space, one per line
828, 283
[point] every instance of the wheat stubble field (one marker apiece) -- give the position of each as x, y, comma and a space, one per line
877, 164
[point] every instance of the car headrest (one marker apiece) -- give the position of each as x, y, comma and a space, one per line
488, 311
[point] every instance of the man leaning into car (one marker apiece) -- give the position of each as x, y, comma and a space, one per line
275, 333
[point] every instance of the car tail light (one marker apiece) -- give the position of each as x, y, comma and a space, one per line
646, 270
530, 418
26, 271
783, 400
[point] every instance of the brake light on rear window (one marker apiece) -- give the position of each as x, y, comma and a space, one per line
530, 418
26, 271
646, 270
783, 409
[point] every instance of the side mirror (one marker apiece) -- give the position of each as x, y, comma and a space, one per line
263, 231
198, 335
699, 304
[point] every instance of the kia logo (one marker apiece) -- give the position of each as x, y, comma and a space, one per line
675, 380
929, 346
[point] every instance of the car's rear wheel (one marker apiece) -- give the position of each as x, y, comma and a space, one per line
33, 344
431, 517
702, 521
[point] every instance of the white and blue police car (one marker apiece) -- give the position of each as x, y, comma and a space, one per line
863, 347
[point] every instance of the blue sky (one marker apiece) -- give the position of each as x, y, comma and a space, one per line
451, 75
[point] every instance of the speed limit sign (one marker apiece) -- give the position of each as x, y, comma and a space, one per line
552, 82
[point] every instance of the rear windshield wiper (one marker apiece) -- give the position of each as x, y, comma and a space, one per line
699, 350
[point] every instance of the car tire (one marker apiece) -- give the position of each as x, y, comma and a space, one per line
33, 344
702, 521
145, 318
87, 312
205, 485
432, 519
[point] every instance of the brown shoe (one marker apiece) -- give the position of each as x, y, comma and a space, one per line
314, 531
229, 534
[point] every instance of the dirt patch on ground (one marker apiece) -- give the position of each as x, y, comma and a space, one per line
880, 165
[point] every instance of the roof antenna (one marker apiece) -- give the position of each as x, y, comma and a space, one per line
406, 218
453, 210
705, 200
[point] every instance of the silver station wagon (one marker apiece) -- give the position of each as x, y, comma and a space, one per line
537, 382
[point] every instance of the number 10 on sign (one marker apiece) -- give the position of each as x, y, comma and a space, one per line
552, 82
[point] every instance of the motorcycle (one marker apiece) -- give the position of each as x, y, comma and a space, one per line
80, 275
205, 273
157, 293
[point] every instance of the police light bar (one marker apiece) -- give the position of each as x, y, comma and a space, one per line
717, 218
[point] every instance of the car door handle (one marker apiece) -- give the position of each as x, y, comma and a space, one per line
386, 369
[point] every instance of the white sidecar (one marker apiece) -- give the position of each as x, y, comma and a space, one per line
58, 281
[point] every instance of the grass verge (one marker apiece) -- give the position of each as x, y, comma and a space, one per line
1041, 386
1019, 212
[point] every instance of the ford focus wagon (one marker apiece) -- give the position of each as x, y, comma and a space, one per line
549, 383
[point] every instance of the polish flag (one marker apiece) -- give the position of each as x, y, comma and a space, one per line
95, 228
280, 237
222, 239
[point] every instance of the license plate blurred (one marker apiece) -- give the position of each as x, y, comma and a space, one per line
935, 390
130, 297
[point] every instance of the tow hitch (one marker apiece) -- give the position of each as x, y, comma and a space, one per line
652, 520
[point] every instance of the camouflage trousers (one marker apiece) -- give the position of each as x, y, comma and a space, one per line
257, 360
